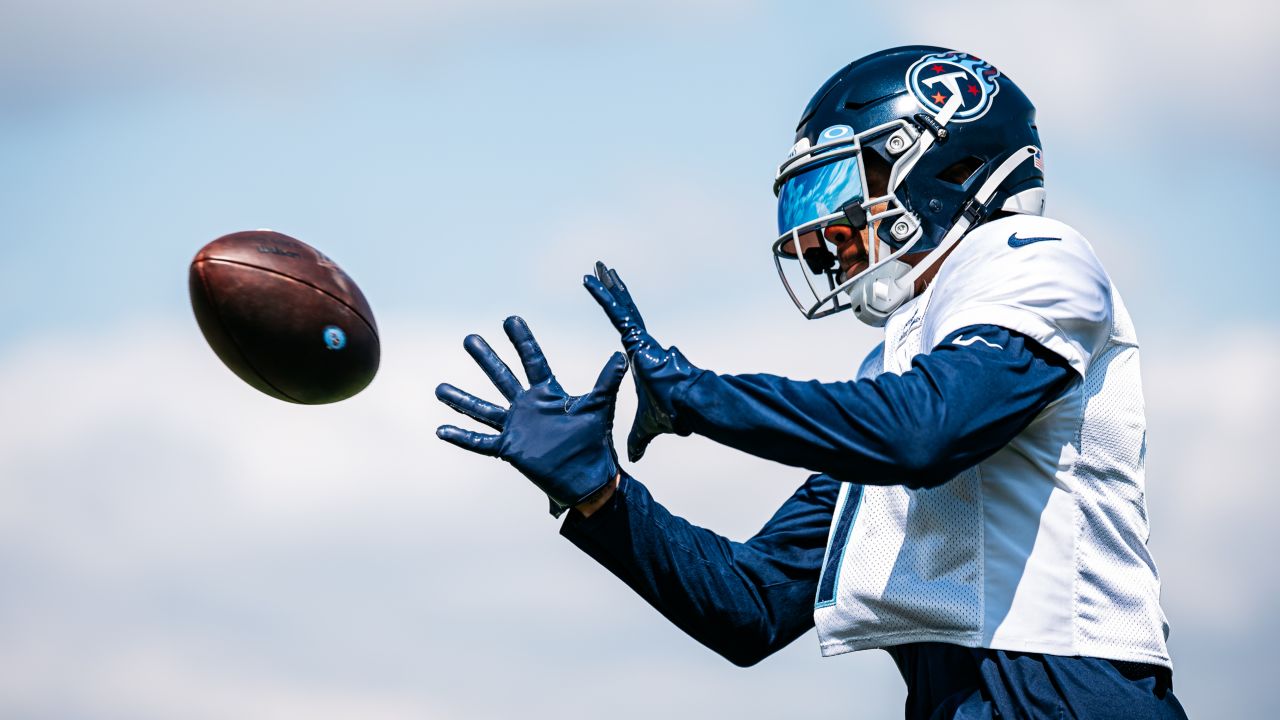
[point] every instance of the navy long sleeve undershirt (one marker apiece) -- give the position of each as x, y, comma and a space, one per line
746, 600
952, 409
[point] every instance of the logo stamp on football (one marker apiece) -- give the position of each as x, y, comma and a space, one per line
334, 338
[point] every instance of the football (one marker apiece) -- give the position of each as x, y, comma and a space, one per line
284, 317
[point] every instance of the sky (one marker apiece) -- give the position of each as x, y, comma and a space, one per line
175, 544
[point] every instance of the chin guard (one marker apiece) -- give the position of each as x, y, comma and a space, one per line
878, 292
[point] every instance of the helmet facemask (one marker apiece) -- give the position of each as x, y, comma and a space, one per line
846, 179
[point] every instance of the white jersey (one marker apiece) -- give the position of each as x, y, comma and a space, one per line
1042, 547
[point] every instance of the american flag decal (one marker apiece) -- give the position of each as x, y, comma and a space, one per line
1039, 161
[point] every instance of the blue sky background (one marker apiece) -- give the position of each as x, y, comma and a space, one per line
174, 544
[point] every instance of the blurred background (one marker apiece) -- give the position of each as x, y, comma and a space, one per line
175, 544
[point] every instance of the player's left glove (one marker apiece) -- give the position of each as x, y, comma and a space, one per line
564, 444
661, 374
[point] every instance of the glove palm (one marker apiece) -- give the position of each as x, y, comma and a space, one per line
562, 443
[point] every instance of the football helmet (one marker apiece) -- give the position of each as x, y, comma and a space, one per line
910, 148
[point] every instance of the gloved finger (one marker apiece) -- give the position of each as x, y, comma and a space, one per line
637, 441
602, 274
615, 283
604, 297
624, 320
623, 296
492, 366
471, 406
535, 363
609, 277
467, 440
610, 377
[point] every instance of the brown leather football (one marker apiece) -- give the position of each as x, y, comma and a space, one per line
284, 317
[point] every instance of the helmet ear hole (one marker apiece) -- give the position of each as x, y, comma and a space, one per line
959, 172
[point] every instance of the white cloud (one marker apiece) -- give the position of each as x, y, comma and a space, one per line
1214, 409
154, 682
70, 47
1134, 68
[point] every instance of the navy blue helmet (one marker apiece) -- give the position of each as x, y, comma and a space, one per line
911, 147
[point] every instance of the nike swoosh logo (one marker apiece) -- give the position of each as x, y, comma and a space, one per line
966, 342
1017, 242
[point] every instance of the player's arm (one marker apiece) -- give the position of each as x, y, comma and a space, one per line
955, 407
744, 600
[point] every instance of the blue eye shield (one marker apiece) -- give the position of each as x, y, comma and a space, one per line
818, 193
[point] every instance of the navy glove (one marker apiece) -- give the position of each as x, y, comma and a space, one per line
661, 374
563, 444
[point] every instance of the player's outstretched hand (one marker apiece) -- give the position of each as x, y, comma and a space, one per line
660, 373
563, 444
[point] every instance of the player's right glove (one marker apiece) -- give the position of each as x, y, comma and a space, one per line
661, 374
564, 444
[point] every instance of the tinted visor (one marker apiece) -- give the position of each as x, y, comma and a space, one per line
819, 192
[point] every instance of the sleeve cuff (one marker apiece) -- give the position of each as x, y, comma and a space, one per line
1021, 321
578, 525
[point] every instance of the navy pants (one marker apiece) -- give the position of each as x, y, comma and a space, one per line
948, 682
